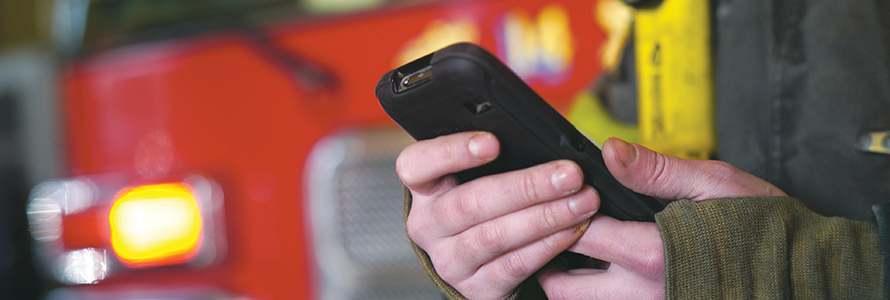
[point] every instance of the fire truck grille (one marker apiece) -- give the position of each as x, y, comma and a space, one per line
373, 233
355, 207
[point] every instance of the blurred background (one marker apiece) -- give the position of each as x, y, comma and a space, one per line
233, 149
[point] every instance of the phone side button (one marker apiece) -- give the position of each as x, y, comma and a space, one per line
478, 106
572, 143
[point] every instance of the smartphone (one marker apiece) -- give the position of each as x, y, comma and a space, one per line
463, 87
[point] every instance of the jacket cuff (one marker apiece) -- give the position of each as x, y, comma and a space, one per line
766, 247
882, 218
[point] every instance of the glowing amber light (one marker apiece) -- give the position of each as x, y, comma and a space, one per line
156, 225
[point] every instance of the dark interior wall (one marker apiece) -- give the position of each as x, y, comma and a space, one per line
18, 277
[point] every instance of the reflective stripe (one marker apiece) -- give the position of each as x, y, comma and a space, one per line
875, 142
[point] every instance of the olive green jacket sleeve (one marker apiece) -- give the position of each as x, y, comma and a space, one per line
761, 247
767, 248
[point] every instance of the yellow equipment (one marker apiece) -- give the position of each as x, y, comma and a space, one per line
675, 76
672, 44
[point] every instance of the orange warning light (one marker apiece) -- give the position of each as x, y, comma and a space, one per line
154, 225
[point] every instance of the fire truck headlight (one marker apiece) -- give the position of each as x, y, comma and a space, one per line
156, 225
90, 228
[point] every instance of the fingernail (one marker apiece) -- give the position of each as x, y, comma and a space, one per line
583, 204
583, 228
476, 148
566, 177
624, 152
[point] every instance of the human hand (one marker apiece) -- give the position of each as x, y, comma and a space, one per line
634, 249
486, 236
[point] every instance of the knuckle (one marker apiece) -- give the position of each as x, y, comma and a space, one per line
726, 177
489, 239
417, 229
451, 156
650, 263
451, 210
548, 218
722, 169
445, 268
528, 186
469, 206
650, 258
515, 266
555, 243
657, 172
403, 168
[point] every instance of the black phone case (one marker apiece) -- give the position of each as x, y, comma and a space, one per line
462, 87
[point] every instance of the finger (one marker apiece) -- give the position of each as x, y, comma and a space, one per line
634, 246
614, 283
559, 283
497, 195
491, 239
421, 165
667, 177
507, 271
490, 197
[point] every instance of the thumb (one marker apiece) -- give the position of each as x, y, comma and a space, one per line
667, 177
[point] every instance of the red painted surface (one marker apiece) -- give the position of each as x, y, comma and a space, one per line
226, 110
86, 229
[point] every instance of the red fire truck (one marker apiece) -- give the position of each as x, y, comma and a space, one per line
244, 156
